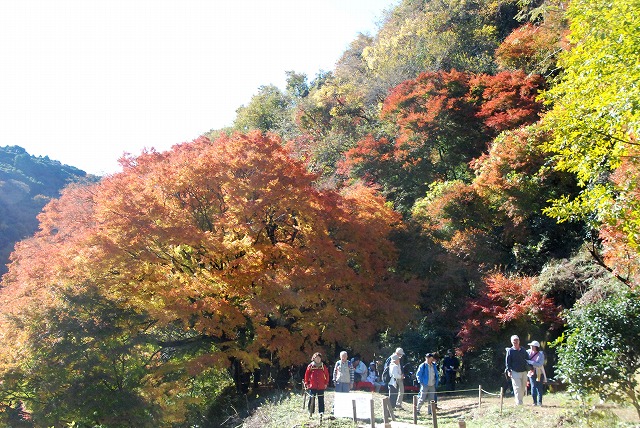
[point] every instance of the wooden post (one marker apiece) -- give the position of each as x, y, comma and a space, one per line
501, 399
304, 398
415, 410
462, 423
434, 407
373, 416
355, 414
385, 412
479, 395
391, 407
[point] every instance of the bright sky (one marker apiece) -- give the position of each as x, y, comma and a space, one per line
83, 81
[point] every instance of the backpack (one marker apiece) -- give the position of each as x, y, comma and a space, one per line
386, 377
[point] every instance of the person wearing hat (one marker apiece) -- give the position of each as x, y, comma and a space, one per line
427, 377
517, 368
537, 375
372, 377
316, 380
395, 378
399, 352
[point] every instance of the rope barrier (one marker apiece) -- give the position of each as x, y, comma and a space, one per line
451, 393
458, 390
491, 393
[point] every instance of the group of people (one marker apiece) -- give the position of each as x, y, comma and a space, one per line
523, 365
316, 376
347, 373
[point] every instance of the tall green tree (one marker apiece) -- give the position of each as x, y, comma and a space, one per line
595, 115
268, 110
419, 36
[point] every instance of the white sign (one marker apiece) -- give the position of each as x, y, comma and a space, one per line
343, 405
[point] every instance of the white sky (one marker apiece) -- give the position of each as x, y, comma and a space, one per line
83, 81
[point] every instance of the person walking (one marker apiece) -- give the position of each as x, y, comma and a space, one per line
316, 380
537, 375
517, 368
427, 377
343, 373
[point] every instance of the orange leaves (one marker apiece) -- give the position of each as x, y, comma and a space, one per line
532, 48
444, 121
424, 107
621, 232
512, 173
226, 242
504, 101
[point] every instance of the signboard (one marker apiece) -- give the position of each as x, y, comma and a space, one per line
343, 406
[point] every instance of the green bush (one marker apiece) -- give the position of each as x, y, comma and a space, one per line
599, 353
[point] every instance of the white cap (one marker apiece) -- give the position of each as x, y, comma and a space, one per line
399, 351
534, 343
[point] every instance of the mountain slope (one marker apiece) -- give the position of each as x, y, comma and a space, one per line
27, 183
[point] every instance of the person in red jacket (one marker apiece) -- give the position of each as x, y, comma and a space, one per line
316, 379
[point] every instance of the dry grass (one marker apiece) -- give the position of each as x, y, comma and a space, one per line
559, 410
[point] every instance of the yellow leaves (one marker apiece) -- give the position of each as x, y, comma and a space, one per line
394, 43
595, 116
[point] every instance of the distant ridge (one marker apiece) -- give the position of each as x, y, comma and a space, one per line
27, 183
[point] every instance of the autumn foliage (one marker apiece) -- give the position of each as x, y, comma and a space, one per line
224, 249
139, 290
443, 120
620, 233
506, 301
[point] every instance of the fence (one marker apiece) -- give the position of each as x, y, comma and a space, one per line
360, 406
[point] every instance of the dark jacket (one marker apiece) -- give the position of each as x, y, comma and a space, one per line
516, 361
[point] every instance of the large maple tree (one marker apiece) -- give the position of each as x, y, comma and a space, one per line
224, 250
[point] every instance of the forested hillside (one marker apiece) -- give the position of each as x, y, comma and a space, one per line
27, 183
467, 173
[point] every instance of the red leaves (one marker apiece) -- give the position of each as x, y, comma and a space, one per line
533, 48
446, 119
621, 233
503, 101
508, 99
504, 301
419, 106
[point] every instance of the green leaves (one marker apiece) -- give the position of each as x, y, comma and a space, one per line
595, 115
600, 354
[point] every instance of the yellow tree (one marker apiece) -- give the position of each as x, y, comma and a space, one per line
596, 118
